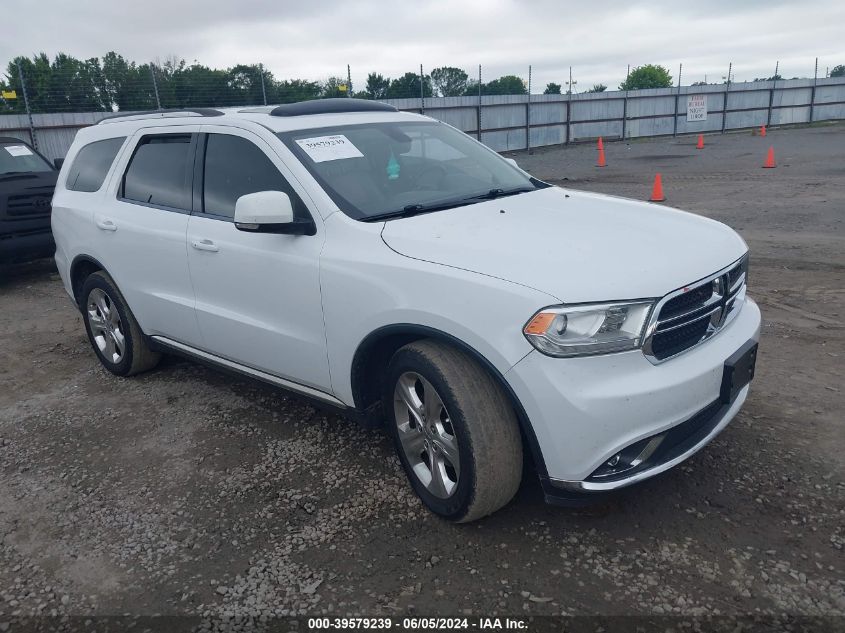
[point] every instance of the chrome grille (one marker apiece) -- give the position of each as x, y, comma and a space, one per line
692, 314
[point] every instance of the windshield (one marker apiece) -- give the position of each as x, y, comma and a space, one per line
17, 158
379, 170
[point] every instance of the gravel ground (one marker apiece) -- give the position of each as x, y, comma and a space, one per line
185, 491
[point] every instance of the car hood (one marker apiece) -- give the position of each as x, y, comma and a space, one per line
573, 245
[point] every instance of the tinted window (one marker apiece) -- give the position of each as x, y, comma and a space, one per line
92, 163
19, 158
234, 167
159, 170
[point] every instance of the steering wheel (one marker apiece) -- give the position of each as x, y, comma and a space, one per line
434, 174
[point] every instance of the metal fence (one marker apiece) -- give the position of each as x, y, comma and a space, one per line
530, 121
527, 121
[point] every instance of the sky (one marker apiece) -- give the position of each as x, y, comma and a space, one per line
315, 39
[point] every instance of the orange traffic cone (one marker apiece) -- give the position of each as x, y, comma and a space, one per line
657, 190
700, 144
600, 144
762, 130
770, 159
602, 162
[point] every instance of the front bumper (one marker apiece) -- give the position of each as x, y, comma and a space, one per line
583, 411
23, 247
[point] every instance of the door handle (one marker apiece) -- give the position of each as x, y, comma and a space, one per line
106, 225
205, 245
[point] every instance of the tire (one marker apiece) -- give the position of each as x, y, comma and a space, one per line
466, 418
117, 342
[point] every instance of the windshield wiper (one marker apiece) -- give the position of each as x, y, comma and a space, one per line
500, 193
416, 209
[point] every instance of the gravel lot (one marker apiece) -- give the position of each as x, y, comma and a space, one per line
185, 491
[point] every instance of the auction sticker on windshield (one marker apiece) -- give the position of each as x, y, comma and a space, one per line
323, 148
18, 150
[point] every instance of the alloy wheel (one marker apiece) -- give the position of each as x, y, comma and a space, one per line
106, 326
426, 434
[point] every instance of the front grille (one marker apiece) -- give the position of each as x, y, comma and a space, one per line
686, 301
688, 316
28, 205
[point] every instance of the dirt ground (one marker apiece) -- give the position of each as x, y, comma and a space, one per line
185, 491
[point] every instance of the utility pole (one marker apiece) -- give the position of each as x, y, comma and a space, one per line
422, 93
772, 94
263, 90
478, 116
571, 83
725, 101
348, 81
155, 85
677, 100
528, 114
28, 110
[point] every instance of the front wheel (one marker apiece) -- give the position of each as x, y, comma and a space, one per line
454, 429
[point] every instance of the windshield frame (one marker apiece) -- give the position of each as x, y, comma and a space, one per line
288, 137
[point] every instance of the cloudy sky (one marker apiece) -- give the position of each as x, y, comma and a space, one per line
315, 39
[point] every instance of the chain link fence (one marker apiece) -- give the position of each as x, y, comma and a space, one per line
507, 112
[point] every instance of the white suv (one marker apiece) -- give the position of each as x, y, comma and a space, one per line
388, 265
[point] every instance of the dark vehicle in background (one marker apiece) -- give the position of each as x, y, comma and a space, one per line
27, 180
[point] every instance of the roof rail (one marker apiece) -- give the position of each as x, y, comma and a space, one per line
331, 106
154, 114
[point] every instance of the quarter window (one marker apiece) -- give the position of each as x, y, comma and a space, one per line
92, 163
235, 167
159, 173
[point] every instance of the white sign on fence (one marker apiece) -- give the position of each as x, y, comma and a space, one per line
696, 108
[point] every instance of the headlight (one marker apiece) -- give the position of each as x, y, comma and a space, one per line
581, 330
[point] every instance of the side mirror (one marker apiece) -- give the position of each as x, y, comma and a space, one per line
270, 212
58, 162
512, 161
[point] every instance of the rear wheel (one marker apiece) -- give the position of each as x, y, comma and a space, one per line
454, 429
112, 330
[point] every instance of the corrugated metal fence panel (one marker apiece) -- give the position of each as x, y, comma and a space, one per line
465, 119
648, 112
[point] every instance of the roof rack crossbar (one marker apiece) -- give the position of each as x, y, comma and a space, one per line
331, 106
152, 114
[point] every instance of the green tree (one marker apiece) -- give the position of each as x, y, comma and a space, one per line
377, 86
127, 86
449, 81
245, 84
37, 74
838, 71
598, 88
333, 87
408, 87
648, 76
293, 90
506, 85
552, 89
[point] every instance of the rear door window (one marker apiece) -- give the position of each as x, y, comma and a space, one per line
234, 167
92, 163
160, 172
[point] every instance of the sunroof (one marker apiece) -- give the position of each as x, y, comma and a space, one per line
330, 106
